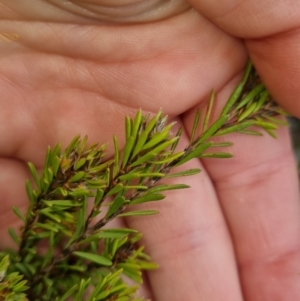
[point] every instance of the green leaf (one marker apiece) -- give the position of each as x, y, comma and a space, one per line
46, 227
158, 137
138, 213
47, 162
145, 265
79, 192
14, 235
4, 264
127, 127
217, 155
140, 142
101, 260
251, 95
134, 275
79, 163
116, 205
34, 175
195, 125
59, 192
196, 153
222, 144
266, 125
170, 158
148, 198
236, 94
188, 172
48, 214
247, 112
127, 150
115, 189
248, 132
135, 175
19, 213
178, 134
165, 187
235, 128
31, 196
213, 129
73, 144
108, 233
208, 111
78, 176
55, 165
62, 203
105, 233
98, 198
277, 121
153, 153
136, 124
117, 157
271, 133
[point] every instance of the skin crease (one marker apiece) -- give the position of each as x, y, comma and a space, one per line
234, 235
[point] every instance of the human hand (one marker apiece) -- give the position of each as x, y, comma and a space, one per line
233, 235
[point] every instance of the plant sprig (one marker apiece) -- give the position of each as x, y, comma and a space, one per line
65, 250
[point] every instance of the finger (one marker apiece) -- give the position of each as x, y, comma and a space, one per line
251, 18
120, 11
190, 242
272, 32
65, 79
279, 66
258, 192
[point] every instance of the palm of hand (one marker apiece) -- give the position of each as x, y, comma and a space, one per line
58, 80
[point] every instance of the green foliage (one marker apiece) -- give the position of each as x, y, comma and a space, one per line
66, 251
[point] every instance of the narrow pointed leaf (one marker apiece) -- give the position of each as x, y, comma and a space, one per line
165, 187
138, 213
127, 150
34, 175
158, 137
196, 153
148, 198
248, 132
213, 129
19, 213
117, 156
98, 198
195, 125
235, 128
248, 111
14, 235
208, 111
127, 127
153, 153
188, 172
236, 94
79, 163
101, 260
135, 175
32, 198
136, 124
249, 97
178, 134
117, 188
217, 155
116, 205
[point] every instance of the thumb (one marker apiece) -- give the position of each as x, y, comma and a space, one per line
271, 30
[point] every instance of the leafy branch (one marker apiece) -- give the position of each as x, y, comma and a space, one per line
65, 252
